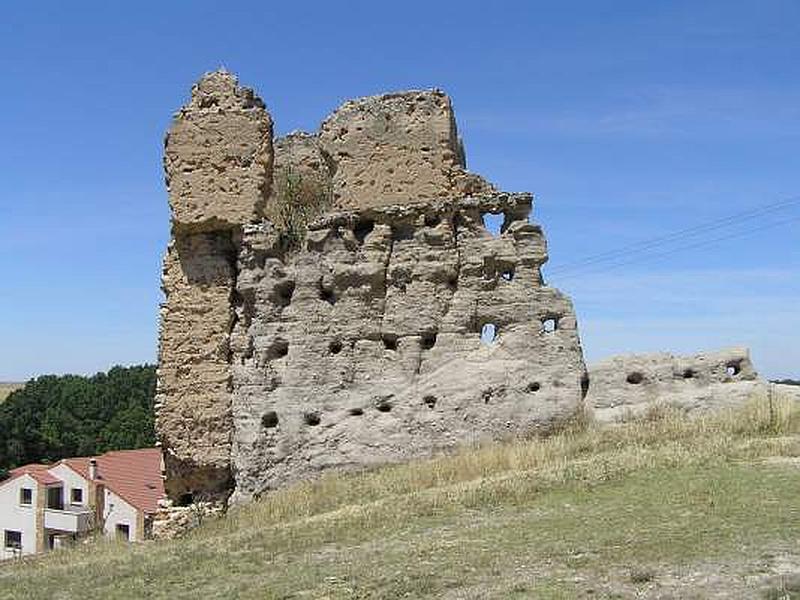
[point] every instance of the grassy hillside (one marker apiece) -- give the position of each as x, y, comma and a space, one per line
6, 388
661, 507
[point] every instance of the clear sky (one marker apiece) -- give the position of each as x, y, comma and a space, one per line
628, 121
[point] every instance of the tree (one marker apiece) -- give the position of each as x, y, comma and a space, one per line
54, 417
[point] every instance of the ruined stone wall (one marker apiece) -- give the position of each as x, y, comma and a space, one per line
397, 149
365, 346
340, 325
625, 386
218, 165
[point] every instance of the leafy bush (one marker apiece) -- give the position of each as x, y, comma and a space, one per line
54, 417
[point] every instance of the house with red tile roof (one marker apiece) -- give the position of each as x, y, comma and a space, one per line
45, 506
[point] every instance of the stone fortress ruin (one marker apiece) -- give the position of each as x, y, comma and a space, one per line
327, 294
335, 300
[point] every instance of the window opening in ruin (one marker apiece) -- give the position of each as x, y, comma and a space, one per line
285, 290
327, 295
549, 325
635, 378
493, 222
384, 406
432, 220
186, 499
402, 231
362, 230
430, 401
488, 333
733, 369
428, 340
534, 386
390, 341
279, 349
270, 419
356, 412
311, 418
452, 282
688, 373
335, 347
508, 275
584, 385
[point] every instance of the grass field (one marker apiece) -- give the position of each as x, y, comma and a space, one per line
658, 508
7, 388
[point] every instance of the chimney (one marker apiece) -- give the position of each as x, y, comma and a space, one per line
92, 469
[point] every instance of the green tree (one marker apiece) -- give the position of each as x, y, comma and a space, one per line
54, 417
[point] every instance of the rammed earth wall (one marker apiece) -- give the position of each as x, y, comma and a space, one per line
357, 339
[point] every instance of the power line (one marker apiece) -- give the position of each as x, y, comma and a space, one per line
690, 232
670, 252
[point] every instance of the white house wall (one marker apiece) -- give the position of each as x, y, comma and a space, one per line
119, 512
71, 480
15, 517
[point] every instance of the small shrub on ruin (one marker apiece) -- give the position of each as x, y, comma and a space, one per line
299, 199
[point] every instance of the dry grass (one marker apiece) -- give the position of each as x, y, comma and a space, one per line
544, 518
7, 388
300, 198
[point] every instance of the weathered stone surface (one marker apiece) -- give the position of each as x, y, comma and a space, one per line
172, 521
218, 161
296, 339
396, 149
625, 386
300, 153
193, 397
302, 180
218, 156
365, 346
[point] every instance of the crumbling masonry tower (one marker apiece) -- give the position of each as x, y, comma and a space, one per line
326, 296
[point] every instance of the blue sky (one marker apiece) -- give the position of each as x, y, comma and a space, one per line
627, 120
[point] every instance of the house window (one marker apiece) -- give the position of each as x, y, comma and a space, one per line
55, 498
123, 531
26, 496
13, 540
76, 496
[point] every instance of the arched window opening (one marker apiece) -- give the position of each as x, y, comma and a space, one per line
550, 324
493, 222
489, 333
